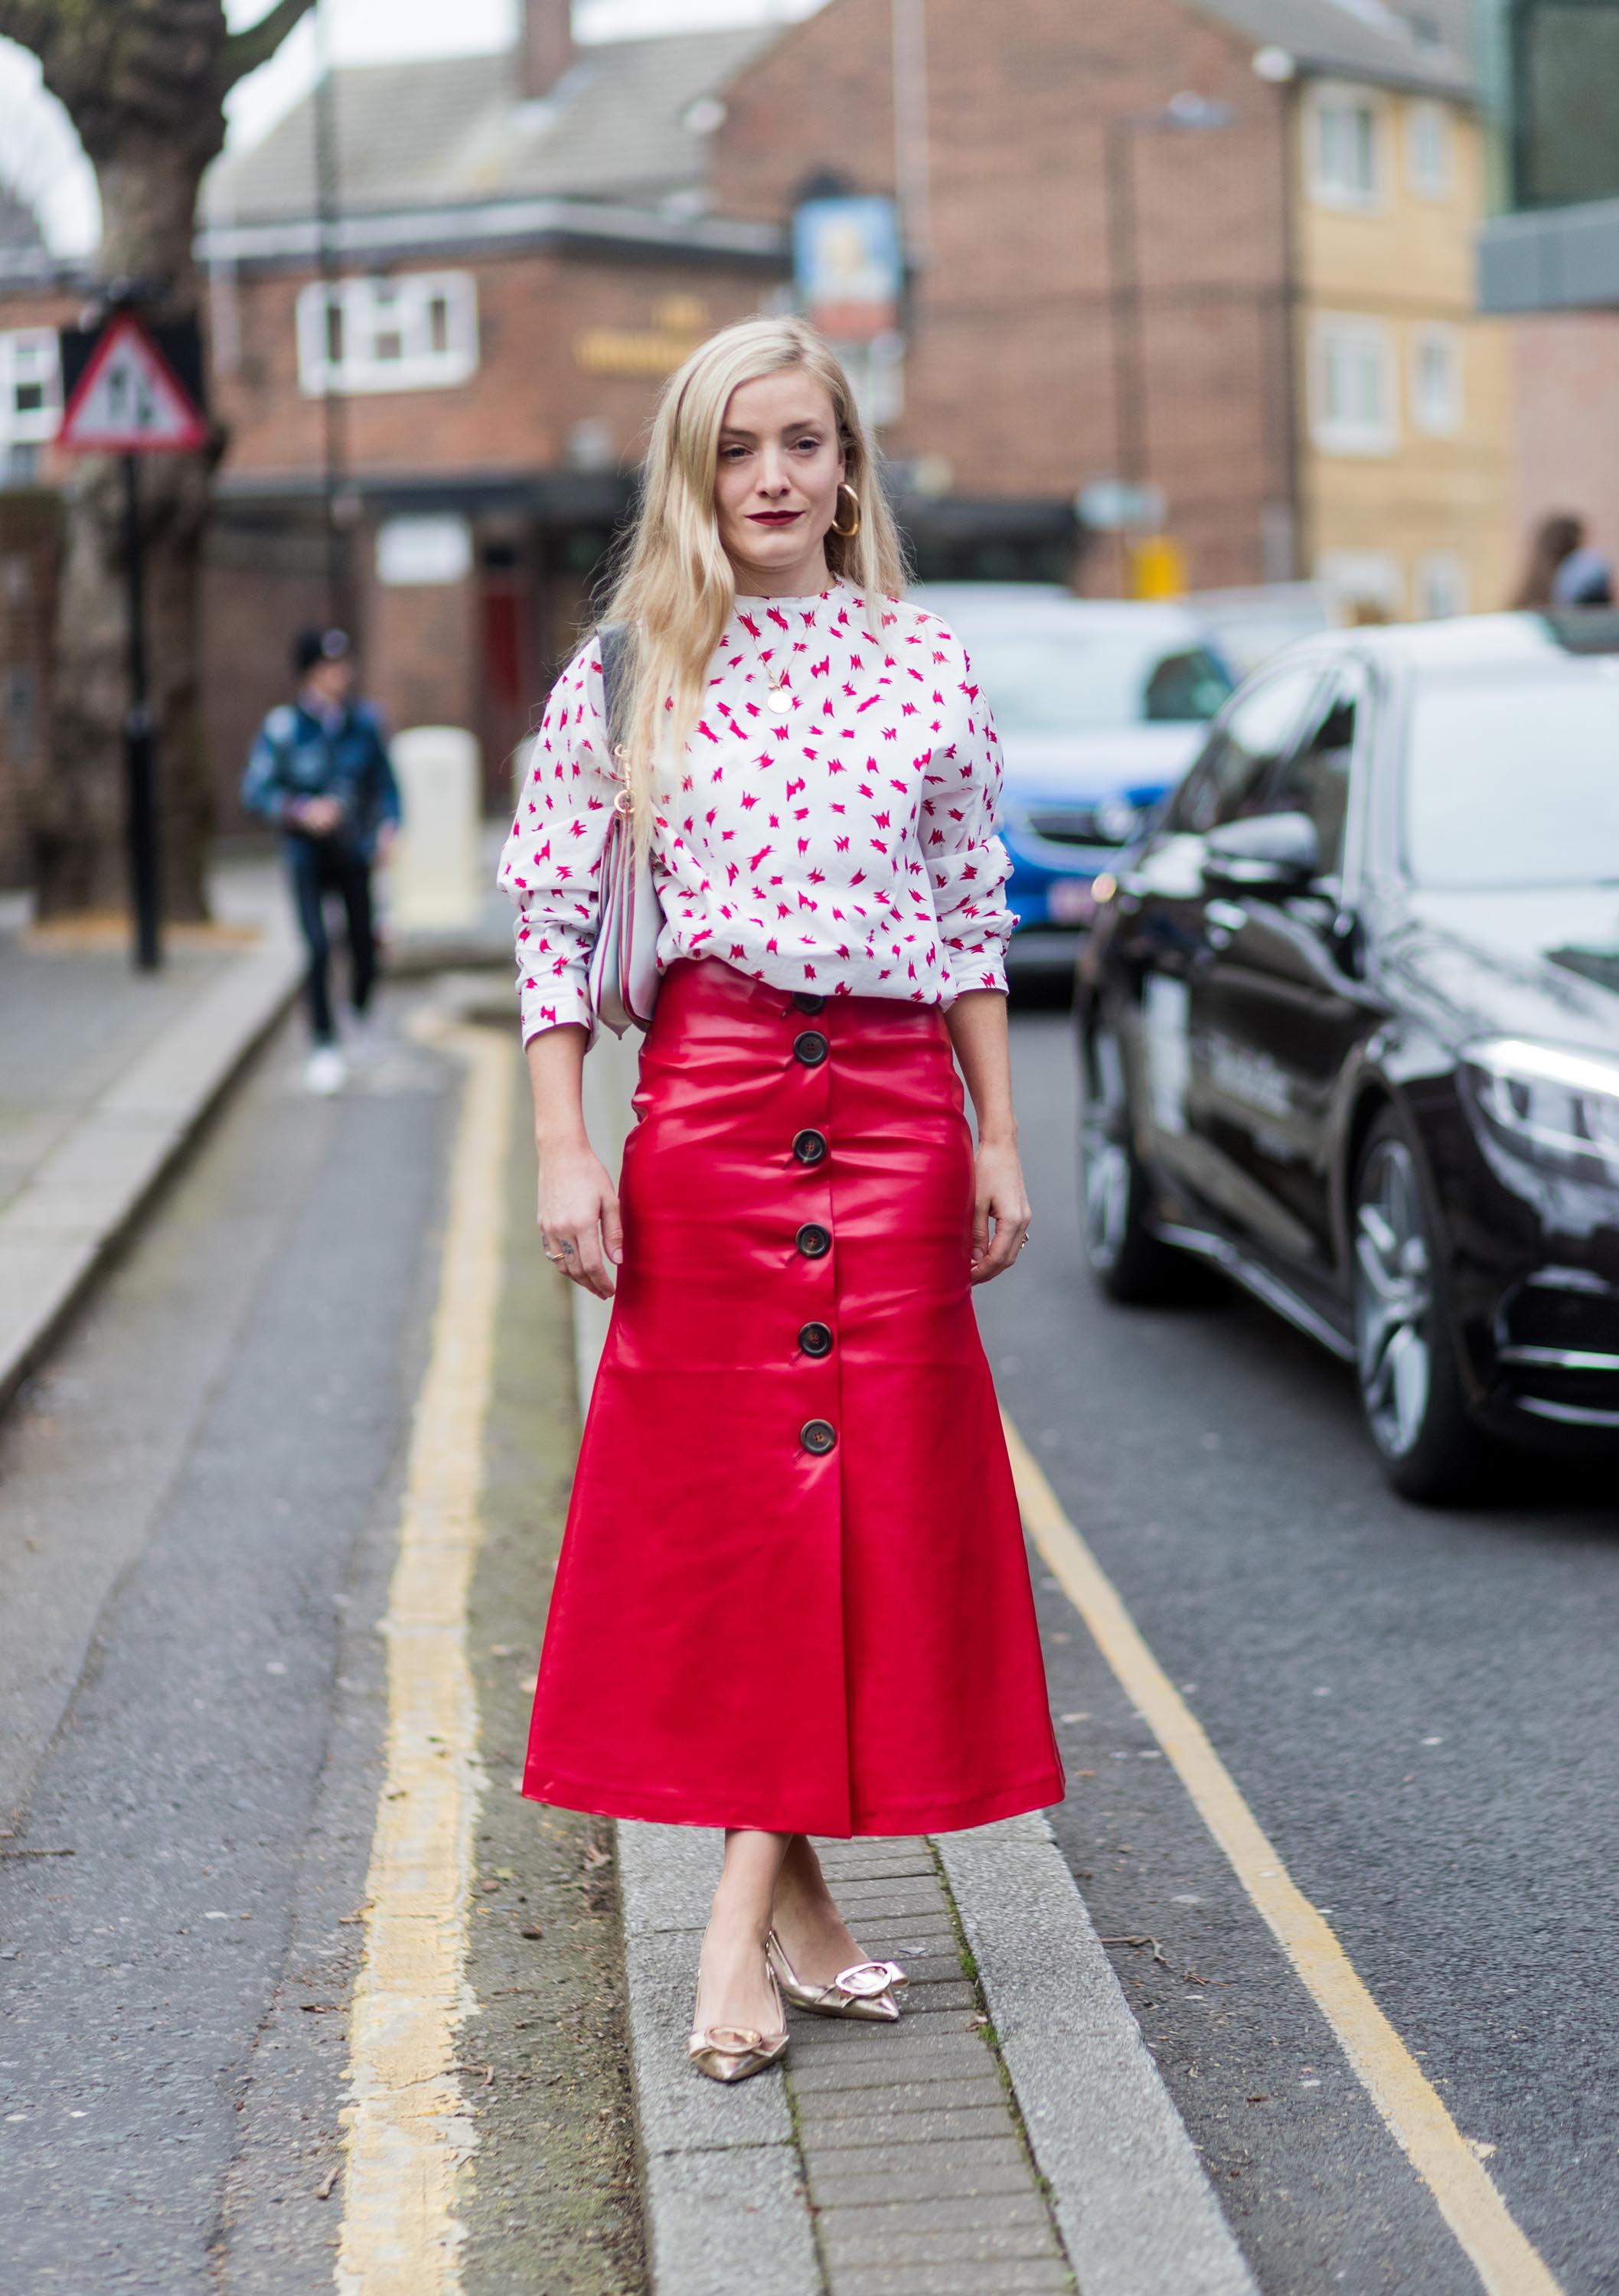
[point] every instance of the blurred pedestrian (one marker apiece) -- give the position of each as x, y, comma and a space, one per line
1562, 569
320, 771
793, 1598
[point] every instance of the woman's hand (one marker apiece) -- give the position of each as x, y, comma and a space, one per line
998, 1197
579, 1216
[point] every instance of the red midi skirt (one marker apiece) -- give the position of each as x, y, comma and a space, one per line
793, 1592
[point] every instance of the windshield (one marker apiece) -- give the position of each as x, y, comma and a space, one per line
1087, 681
1515, 781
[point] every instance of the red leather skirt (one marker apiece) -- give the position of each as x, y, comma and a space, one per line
793, 1592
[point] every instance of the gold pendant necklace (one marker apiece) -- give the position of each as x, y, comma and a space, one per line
778, 699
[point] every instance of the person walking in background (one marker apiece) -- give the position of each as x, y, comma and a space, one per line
320, 771
792, 1597
1563, 570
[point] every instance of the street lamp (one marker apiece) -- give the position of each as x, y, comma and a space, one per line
1186, 114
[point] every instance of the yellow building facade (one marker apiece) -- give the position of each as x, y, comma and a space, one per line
1405, 411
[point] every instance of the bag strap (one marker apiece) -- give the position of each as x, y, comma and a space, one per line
615, 640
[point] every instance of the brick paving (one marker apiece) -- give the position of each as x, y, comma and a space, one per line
919, 2181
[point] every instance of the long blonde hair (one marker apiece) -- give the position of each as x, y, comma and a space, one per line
674, 588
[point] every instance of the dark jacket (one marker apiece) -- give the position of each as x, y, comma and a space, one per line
295, 756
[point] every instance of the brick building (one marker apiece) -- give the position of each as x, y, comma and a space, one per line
1182, 241
1550, 256
521, 252
1222, 246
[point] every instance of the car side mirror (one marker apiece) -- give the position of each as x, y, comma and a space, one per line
1266, 857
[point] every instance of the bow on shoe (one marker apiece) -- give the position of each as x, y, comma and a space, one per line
867, 1979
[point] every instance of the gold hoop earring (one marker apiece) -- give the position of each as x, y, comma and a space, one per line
848, 533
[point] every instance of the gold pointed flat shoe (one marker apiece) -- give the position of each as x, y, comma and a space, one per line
734, 2052
865, 1991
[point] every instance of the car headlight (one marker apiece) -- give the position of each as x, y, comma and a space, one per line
1556, 1107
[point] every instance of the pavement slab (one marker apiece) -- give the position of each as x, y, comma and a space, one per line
105, 1075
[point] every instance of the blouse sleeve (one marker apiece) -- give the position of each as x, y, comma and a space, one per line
552, 856
967, 864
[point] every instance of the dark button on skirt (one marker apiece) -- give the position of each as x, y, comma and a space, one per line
806, 1001
814, 1241
809, 1146
811, 1048
816, 1339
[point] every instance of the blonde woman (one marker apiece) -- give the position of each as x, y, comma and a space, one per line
792, 1597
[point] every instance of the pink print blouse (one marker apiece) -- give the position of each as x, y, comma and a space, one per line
832, 827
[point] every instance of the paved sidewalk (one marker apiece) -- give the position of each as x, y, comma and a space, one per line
104, 1075
1011, 2134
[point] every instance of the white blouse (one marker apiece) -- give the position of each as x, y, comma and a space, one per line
832, 827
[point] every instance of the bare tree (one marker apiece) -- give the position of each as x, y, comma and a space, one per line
144, 83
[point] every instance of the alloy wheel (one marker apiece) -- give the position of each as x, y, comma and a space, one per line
1104, 1135
1394, 1300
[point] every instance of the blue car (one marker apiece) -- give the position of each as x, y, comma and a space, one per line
1101, 706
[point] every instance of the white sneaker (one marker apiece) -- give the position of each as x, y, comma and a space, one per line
326, 1072
362, 1038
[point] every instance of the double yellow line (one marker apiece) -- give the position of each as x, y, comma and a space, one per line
1506, 2263
407, 2128
408, 2131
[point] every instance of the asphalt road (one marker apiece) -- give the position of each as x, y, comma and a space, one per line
1418, 1707
201, 1499
199, 1514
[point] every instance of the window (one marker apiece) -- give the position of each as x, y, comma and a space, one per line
1315, 779
417, 330
1427, 149
1436, 404
1063, 674
1186, 688
1343, 129
1354, 408
1255, 734
1366, 585
1508, 779
30, 387
1442, 586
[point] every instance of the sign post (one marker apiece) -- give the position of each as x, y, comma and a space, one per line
127, 400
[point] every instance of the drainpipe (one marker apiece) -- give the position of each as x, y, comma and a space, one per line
1294, 333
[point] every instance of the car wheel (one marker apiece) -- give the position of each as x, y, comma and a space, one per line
1127, 1259
1405, 1353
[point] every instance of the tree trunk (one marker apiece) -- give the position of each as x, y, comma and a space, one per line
144, 83
149, 200
79, 815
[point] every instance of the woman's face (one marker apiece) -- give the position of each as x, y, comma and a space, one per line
775, 483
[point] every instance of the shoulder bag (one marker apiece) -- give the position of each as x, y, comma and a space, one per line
623, 978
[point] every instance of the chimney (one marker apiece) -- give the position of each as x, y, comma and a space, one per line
547, 45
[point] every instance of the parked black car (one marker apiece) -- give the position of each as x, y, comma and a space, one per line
1349, 1030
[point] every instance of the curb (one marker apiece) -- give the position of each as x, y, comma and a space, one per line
722, 2185
727, 2209
62, 1227
1133, 2202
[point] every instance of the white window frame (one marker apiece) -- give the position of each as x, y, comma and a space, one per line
1331, 100
1337, 430
30, 358
1442, 575
371, 310
1434, 415
1432, 173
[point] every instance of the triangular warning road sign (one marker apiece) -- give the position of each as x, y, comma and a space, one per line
130, 400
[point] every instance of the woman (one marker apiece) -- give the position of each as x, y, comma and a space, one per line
792, 1597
